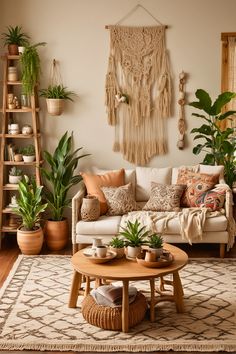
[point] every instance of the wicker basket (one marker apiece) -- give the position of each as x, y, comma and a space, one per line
110, 317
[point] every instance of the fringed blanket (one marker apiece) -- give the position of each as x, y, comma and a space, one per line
191, 220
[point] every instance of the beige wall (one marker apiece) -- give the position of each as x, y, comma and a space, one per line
75, 35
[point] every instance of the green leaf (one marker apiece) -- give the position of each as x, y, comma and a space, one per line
226, 114
221, 101
209, 159
198, 148
204, 102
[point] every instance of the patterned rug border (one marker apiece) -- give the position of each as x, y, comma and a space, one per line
204, 346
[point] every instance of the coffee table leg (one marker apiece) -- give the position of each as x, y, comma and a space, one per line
125, 306
178, 292
87, 286
74, 291
152, 302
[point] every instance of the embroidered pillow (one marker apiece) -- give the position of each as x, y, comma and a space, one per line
196, 183
94, 183
120, 200
213, 199
164, 197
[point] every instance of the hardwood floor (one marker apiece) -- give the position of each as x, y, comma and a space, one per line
10, 252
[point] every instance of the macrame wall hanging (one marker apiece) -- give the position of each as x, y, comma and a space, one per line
138, 90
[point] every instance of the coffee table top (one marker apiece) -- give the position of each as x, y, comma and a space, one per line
122, 269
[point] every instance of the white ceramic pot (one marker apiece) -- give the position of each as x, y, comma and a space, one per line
28, 158
21, 49
27, 129
14, 179
133, 252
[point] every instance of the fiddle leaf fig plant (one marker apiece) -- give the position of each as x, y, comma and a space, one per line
217, 143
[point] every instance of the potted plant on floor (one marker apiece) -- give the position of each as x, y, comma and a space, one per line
59, 178
30, 68
30, 207
117, 245
134, 236
28, 153
13, 38
56, 95
218, 144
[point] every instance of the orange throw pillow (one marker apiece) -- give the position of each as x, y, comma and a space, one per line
94, 183
196, 183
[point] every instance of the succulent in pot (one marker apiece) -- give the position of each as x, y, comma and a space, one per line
13, 38
117, 245
134, 236
15, 175
55, 97
28, 153
155, 243
29, 208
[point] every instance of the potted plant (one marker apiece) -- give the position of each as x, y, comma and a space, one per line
15, 175
155, 243
59, 178
117, 245
13, 38
30, 68
29, 207
28, 153
55, 97
218, 144
134, 237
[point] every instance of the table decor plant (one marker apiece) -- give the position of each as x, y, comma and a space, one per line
117, 245
134, 236
28, 153
15, 175
155, 243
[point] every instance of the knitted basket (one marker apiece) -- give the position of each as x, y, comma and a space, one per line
110, 317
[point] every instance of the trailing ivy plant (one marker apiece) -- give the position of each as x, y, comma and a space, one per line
30, 68
218, 144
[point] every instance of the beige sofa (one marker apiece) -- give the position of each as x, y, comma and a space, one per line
219, 229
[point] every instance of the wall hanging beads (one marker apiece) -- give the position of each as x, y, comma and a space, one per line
181, 102
138, 91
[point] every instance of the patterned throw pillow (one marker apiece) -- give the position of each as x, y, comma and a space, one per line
120, 200
213, 199
164, 197
196, 183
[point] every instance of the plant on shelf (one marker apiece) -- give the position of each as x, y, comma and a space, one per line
59, 178
55, 96
15, 175
117, 245
15, 37
29, 208
30, 68
218, 144
134, 236
28, 153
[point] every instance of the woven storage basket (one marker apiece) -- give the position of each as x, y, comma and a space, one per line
110, 317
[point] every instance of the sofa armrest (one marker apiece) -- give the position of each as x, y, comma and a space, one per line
76, 206
231, 228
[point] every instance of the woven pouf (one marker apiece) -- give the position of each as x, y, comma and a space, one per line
110, 317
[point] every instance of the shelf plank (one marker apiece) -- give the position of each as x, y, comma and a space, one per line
14, 83
21, 163
8, 229
10, 187
20, 110
13, 57
8, 211
19, 136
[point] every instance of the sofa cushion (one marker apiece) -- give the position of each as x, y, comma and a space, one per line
164, 197
176, 170
120, 200
146, 175
107, 225
196, 183
94, 183
130, 174
213, 170
213, 199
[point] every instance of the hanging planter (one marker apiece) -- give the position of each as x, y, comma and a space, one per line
56, 93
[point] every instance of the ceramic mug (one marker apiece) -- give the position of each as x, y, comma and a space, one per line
101, 251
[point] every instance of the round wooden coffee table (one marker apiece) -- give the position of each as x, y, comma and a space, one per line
125, 271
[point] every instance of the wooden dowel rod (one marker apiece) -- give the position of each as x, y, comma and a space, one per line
107, 26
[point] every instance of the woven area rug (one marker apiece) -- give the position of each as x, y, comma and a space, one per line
34, 313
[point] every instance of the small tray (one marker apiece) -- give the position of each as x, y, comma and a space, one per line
89, 253
164, 262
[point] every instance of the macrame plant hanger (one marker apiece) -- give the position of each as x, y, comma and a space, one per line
138, 89
55, 106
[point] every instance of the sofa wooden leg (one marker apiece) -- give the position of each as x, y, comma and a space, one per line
222, 250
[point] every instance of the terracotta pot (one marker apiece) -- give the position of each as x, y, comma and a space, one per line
56, 234
13, 49
119, 251
55, 106
30, 242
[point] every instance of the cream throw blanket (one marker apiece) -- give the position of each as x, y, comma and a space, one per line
191, 220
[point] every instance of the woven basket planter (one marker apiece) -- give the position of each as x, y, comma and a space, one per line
110, 317
55, 106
